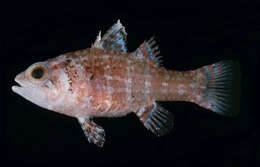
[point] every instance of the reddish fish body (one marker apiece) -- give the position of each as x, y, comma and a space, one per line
107, 81
113, 83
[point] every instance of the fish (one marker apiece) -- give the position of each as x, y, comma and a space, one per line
105, 80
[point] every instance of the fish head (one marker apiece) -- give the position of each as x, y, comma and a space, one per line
39, 84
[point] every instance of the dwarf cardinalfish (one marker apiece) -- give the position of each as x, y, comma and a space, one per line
107, 81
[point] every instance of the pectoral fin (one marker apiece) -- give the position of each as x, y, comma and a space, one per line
156, 119
92, 131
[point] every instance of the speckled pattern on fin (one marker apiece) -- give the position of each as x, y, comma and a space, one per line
92, 131
156, 119
114, 39
222, 94
149, 51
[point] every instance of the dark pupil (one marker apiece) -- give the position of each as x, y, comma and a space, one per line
37, 73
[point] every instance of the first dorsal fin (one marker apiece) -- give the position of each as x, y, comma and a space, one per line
114, 39
156, 119
148, 50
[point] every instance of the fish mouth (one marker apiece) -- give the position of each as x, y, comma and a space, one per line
18, 87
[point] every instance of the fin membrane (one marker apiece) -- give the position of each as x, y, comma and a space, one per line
222, 93
148, 50
94, 133
114, 39
156, 119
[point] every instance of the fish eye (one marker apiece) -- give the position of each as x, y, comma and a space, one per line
37, 72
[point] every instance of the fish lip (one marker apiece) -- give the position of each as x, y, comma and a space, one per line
18, 87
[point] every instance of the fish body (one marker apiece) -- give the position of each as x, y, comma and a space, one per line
107, 81
110, 83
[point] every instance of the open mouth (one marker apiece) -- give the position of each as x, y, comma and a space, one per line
17, 87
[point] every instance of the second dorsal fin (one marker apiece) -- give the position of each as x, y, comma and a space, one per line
114, 39
148, 50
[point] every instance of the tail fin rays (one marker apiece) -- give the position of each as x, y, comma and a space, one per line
223, 87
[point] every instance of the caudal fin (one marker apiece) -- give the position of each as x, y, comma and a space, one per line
222, 93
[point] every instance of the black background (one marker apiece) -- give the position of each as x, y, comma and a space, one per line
190, 34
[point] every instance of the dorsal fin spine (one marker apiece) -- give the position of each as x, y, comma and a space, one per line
114, 39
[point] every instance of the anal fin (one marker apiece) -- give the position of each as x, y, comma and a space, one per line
156, 119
